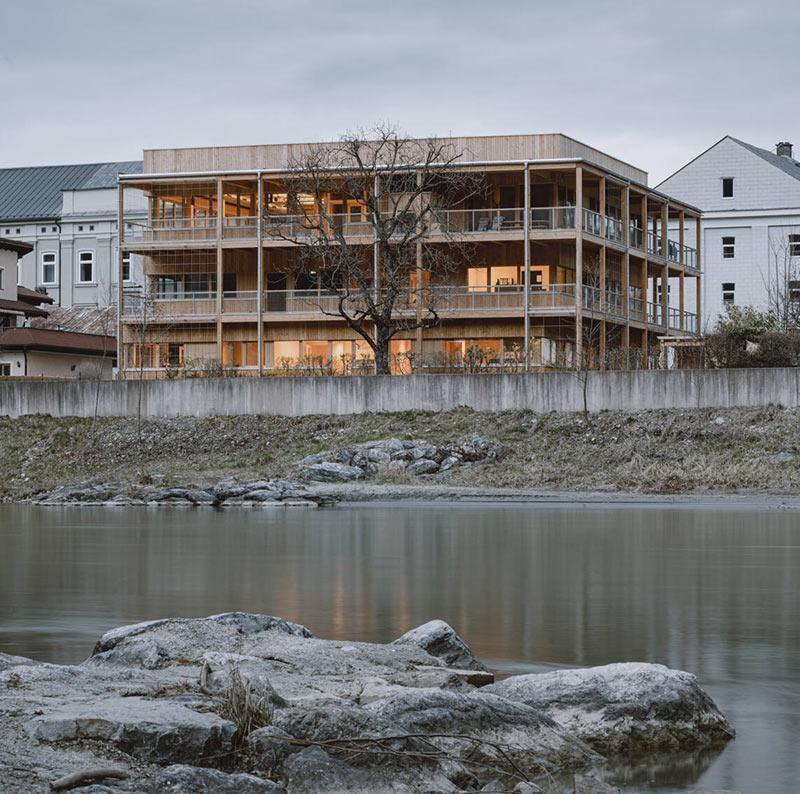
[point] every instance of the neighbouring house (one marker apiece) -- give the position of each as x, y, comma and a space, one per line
224, 285
68, 214
750, 202
17, 304
48, 353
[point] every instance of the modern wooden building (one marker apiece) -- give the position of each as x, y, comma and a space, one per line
224, 291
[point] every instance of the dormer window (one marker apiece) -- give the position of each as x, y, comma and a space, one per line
727, 187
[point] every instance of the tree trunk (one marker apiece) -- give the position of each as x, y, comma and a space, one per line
381, 353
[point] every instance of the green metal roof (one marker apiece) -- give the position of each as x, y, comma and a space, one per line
34, 193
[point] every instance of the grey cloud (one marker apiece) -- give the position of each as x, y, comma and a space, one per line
653, 83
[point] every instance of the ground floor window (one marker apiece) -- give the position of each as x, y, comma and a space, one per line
728, 292
239, 354
5, 370
142, 356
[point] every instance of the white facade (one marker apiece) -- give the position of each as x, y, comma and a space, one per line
49, 364
746, 222
74, 256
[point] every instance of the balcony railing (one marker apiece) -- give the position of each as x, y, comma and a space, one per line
654, 313
552, 218
654, 244
635, 236
171, 229
592, 222
500, 219
614, 230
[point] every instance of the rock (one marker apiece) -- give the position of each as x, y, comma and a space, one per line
271, 747
145, 652
313, 770
190, 495
623, 708
530, 739
263, 495
182, 779
252, 676
449, 462
158, 731
188, 638
781, 457
422, 466
589, 784
7, 660
441, 640
332, 472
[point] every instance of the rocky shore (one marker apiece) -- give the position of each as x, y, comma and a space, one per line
250, 703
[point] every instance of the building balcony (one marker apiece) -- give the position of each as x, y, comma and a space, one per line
487, 223
448, 301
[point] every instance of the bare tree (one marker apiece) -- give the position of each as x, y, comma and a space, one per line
782, 284
362, 211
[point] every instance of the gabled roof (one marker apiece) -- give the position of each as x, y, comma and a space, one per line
788, 165
34, 193
19, 246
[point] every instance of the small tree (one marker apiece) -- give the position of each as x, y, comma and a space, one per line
782, 285
394, 189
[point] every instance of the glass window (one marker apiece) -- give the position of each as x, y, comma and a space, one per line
728, 292
126, 267
794, 245
728, 247
48, 267
86, 267
727, 187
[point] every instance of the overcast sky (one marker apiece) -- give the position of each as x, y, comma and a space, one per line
652, 83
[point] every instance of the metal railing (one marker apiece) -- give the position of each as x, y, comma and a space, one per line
592, 222
168, 229
654, 313
654, 244
494, 219
552, 218
614, 230
636, 308
635, 236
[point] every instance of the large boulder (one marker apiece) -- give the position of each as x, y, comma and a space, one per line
157, 731
481, 728
157, 643
328, 471
626, 708
441, 640
183, 779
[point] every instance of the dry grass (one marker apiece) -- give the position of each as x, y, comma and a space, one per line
647, 451
246, 710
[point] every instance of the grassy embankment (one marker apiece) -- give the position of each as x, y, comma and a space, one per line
655, 451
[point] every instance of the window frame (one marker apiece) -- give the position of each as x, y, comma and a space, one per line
794, 244
731, 245
126, 255
728, 293
79, 279
44, 282
728, 180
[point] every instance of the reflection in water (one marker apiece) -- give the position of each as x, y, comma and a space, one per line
710, 591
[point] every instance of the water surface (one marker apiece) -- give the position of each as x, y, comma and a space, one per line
713, 591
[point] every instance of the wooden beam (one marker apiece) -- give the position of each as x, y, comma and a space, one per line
578, 267
220, 218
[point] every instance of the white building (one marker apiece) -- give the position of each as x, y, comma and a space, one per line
750, 198
68, 213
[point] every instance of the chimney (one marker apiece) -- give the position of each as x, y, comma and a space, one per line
783, 149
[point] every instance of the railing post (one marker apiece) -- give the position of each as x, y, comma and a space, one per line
527, 264
260, 278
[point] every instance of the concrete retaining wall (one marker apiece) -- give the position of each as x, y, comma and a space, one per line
539, 392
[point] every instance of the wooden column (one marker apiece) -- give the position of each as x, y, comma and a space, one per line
681, 253
626, 263
418, 278
259, 278
681, 299
578, 267
220, 214
120, 290
527, 266
698, 264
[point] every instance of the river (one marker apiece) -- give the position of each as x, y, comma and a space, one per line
711, 590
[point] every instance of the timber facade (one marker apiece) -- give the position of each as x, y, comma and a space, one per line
574, 259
